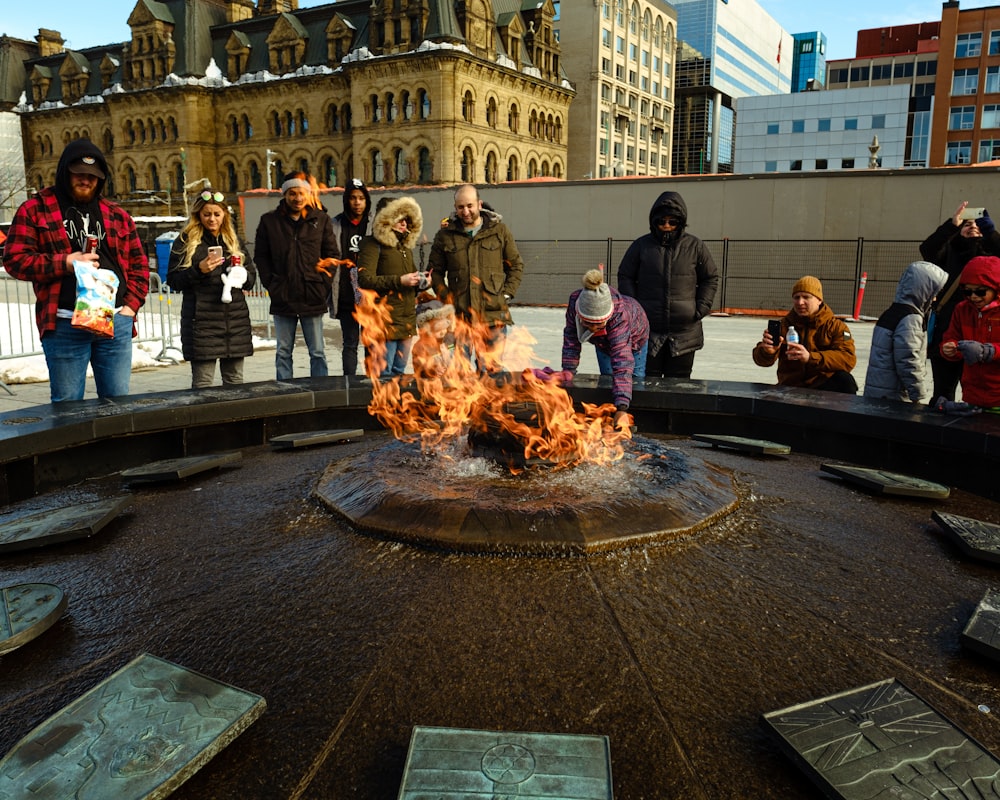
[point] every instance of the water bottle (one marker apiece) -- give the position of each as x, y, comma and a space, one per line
792, 337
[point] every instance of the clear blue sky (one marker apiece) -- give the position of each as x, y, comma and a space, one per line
104, 22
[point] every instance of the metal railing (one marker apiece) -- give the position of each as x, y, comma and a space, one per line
754, 275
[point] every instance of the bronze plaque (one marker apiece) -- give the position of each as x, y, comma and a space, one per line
290, 441
744, 445
883, 741
59, 525
974, 538
176, 469
27, 610
882, 482
139, 734
461, 764
982, 632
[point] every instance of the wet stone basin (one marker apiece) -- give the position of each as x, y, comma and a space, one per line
673, 649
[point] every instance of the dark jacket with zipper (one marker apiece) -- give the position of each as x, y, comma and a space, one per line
286, 251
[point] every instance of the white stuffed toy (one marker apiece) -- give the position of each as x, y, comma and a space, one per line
233, 278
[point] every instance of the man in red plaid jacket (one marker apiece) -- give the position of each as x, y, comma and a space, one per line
48, 235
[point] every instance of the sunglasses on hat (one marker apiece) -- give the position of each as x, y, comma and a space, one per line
218, 197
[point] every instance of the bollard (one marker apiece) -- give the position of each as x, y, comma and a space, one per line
861, 295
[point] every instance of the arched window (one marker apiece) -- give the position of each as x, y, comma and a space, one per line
234, 128
425, 104
174, 135
345, 116
231, 185
391, 108
425, 167
545, 168
256, 179
512, 118
557, 170
304, 165
329, 171
491, 168
400, 168
247, 128
109, 143
468, 107
468, 165
491, 112
178, 179
533, 125
303, 123
334, 119
376, 109
532, 169
290, 123
378, 168
275, 123
633, 19
407, 105
512, 168
558, 130
130, 179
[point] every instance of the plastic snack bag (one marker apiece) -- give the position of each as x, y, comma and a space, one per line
95, 299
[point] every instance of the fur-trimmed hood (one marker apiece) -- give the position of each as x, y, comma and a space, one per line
395, 210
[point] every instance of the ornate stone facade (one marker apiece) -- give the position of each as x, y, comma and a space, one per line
392, 91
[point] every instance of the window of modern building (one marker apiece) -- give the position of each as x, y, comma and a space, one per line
878, 120
859, 74
851, 124
605, 37
605, 91
796, 165
965, 81
923, 90
994, 43
839, 75
770, 166
823, 125
633, 52
806, 46
992, 80
919, 144
606, 9
962, 118
620, 45
904, 70
620, 71
820, 163
633, 77
798, 126
847, 163
656, 64
656, 88
925, 68
989, 150
772, 128
881, 72
958, 153
645, 58
991, 116
605, 66
644, 83
968, 45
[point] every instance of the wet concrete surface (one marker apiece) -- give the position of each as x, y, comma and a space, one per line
672, 650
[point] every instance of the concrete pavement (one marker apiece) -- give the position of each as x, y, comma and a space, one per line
726, 356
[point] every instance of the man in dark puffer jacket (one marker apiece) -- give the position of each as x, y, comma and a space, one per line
672, 275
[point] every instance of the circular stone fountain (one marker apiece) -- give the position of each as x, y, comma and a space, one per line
457, 502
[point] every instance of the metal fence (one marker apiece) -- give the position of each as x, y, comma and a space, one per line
755, 275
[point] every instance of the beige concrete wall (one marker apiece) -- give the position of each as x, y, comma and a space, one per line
891, 205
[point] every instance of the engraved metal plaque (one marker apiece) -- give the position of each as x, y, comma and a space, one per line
138, 734
27, 610
59, 524
882, 482
743, 445
290, 441
974, 538
883, 741
176, 469
982, 632
460, 764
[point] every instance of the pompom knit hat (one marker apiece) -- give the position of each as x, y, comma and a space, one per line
810, 285
594, 304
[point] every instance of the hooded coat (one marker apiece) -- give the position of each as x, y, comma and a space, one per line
345, 285
897, 364
38, 242
286, 251
980, 382
674, 278
385, 258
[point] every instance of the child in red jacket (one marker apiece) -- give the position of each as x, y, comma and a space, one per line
973, 334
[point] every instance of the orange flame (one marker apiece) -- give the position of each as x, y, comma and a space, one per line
438, 406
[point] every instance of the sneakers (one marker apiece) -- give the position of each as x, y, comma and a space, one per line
945, 406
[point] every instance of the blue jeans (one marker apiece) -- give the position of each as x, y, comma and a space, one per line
638, 373
69, 350
312, 332
397, 353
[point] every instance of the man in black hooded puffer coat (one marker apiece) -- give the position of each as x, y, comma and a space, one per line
672, 275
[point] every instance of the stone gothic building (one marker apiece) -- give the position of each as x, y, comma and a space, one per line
237, 93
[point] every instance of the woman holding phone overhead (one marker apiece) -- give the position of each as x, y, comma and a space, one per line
210, 265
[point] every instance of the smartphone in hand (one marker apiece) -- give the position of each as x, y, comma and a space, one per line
215, 252
774, 328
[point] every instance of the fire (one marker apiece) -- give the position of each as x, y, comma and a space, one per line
457, 402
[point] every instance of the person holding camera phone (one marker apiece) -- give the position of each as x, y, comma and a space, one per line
386, 266
966, 234
200, 264
824, 355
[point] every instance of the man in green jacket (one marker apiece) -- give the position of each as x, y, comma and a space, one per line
475, 265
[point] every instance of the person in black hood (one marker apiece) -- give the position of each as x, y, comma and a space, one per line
49, 234
350, 227
673, 276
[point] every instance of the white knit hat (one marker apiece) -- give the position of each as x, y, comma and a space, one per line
594, 304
